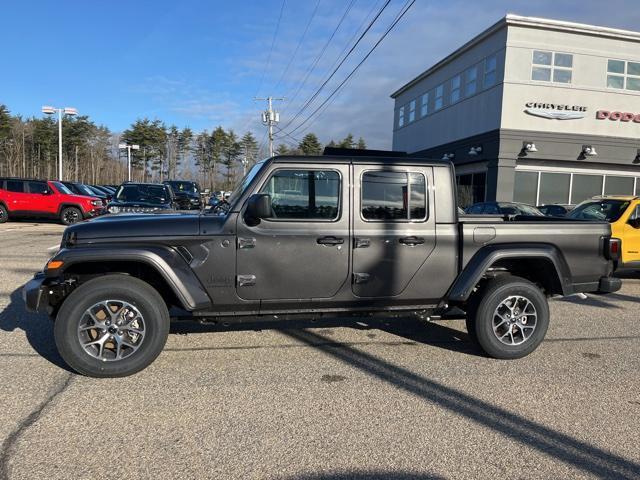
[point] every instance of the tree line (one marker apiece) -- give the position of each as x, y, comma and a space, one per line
216, 159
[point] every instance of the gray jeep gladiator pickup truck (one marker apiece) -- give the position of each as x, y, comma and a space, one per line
315, 236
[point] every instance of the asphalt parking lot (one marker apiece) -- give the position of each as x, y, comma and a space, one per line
338, 399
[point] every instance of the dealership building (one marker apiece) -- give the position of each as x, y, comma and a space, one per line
533, 110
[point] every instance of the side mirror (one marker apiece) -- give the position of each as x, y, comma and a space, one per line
259, 206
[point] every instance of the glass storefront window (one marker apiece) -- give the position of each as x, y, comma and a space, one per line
585, 187
554, 188
618, 185
471, 188
525, 187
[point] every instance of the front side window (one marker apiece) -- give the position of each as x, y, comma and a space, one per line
551, 67
603, 210
456, 84
412, 111
470, 79
38, 187
304, 194
424, 107
490, 66
621, 75
393, 196
401, 117
439, 97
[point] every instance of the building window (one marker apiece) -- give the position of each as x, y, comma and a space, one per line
471, 188
304, 194
621, 74
412, 111
525, 187
390, 196
618, 185
490, 64
401, 117
470, 81
551, 67
554, 188
585, 187
424, 107
456, 84
438, 102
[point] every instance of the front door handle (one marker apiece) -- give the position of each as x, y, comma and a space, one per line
412, 241
330, 241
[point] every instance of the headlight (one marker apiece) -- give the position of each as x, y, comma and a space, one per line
96, 203
114, 209
195, 200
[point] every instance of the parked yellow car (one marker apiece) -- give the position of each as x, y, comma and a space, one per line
623, 212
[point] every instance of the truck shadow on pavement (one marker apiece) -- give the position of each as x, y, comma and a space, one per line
38, 329
410, 330
564, 448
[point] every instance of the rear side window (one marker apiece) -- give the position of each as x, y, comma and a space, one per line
38, 187
304, 194
16, 186
393, 196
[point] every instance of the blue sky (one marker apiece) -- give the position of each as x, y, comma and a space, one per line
199, 63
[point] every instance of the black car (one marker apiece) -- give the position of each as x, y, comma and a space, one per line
187, 194
82, 189
555, 210
141, 198
502, 208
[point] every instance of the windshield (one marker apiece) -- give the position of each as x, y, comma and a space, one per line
529, 210
242, 186
603, 210
178, 186
85, 190
143, 193
62, 188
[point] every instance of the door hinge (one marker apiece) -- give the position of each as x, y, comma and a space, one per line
246, 280
246, 242
360, 278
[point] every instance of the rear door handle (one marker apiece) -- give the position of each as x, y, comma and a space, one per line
412, 240
330, 241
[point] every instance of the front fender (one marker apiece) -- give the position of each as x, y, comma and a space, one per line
164, 260
463, 287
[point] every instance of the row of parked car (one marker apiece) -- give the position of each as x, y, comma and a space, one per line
71, 202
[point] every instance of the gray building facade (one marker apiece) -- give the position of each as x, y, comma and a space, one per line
533, 110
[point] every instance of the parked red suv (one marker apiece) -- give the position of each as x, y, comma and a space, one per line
39, 198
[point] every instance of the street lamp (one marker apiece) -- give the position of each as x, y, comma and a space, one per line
49, 110
129, 148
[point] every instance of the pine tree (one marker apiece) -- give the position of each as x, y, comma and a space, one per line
310, 145
282, 149
231, 153
249, 147
361, 144
347, 142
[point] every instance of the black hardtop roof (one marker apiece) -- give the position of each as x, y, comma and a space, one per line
359, 160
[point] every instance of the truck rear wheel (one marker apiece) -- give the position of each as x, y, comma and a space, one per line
111, 326
509, 318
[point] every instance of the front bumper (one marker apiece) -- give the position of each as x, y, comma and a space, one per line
32, 295
609, 284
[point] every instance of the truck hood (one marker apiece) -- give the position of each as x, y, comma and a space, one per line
137, 225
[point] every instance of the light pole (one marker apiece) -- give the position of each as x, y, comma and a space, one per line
129, 148
49, 110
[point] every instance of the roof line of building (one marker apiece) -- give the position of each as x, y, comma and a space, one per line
535, 22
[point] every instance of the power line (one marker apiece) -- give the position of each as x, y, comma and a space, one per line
315, 95
295, 52
317, 59
273, 42
403, 11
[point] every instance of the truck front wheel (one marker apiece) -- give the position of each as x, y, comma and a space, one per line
112, 326
510, 317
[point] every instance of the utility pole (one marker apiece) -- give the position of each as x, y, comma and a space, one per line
270, 118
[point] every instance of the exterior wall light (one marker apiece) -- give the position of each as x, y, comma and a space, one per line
589, 151
448, 156
529, 147
475, 151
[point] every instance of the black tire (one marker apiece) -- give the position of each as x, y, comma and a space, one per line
115, 287
70, 215
4, 215
482, 312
